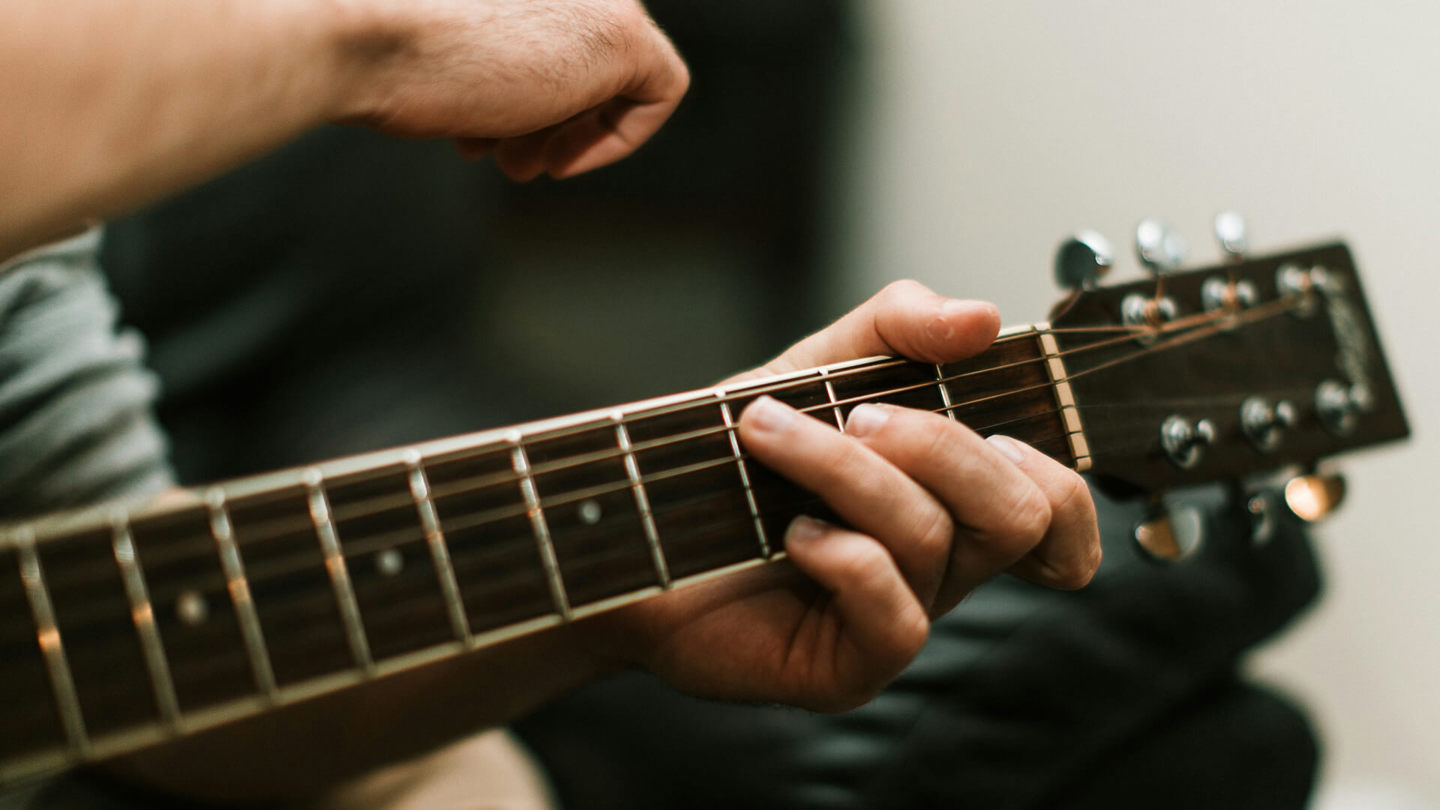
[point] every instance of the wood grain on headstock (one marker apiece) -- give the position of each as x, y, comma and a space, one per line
1205, 365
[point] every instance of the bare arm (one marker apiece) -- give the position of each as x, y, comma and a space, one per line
109, 104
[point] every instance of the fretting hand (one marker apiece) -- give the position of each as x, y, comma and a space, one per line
935, 511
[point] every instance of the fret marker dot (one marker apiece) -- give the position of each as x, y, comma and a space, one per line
589, 513
190, 607
389, 562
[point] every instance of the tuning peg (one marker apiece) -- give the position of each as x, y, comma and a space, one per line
1184, 441
1160, 248
1232, 234
1171, 533
1082, 259
1313, 497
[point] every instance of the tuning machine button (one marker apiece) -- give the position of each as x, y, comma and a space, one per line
1264, 424
1171, 534
1340, 405
1184, 441
1221, 295
1161, 248
1313, 497
1141, 310
1082, 259
1232, 234
1293, 281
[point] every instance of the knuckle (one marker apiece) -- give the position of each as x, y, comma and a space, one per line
935, 534
1073, 493
864, 568
1026, 521
848, 465
899, 291
1073, 573
911, 633
918, 437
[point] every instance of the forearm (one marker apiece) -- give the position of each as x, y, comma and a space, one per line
111, 103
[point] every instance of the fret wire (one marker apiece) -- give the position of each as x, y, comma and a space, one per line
521, 464
745, 479
1065, 399
949, 408
142, 612
642, 501
52, 646
830, 394
223, 532
335, 566
439, 550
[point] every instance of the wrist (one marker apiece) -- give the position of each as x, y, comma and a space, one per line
363, 39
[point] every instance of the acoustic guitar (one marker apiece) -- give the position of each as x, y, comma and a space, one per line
123, 627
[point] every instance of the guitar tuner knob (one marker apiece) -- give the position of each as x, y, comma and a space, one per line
1232, 234
1138, 310
1222, 295
1184, 441
1313, 497
1161, 248
1171, 534
1264, 423
1340, 405
1082, 259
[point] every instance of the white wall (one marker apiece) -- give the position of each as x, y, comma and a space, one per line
991, 130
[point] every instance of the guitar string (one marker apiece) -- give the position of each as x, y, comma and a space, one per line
283, 526
704, 403
758, 387
492, 515
472, 484
262, 531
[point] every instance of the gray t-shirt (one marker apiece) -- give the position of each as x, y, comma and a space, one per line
75, 400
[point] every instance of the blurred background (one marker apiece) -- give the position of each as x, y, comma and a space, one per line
984, 132
351, 292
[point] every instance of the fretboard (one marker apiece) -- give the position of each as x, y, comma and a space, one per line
122, 628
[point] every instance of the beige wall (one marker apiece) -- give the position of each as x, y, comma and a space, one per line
990, 130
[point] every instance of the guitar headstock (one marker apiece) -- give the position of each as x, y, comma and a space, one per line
1252, 365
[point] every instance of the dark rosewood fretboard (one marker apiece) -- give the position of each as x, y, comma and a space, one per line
122, 629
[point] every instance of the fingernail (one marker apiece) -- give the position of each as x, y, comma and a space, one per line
768, 414
955, 310
865, 419
966, 306
804, 529
1008, 446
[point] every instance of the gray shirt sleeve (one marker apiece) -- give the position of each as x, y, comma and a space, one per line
76, 425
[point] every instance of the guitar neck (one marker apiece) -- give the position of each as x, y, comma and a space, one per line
119, 629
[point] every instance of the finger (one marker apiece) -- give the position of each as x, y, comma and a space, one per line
474, 148
883, 623
905, 319
616, 128
602, 136
861, 486
1069, 554
1001, 513
522, 158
